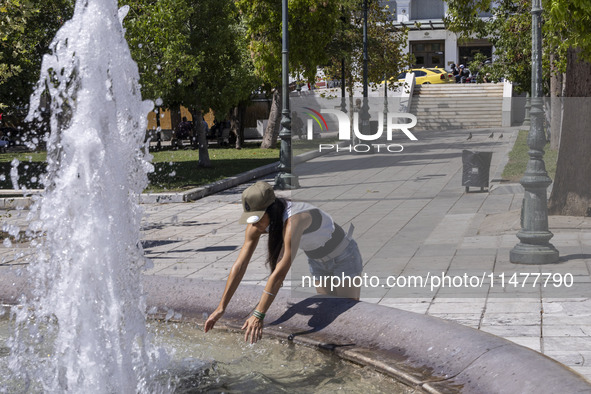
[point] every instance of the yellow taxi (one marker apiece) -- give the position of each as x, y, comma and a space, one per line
424, 76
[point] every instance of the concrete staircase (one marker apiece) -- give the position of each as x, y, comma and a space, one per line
457, 106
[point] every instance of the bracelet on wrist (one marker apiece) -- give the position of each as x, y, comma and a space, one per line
258, 315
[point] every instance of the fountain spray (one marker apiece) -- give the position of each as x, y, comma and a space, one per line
86, 311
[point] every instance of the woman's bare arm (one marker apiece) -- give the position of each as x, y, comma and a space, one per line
294, 228
251, 240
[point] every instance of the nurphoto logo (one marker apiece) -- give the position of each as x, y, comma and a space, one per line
394, 122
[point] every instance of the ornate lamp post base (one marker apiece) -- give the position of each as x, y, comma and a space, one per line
285, 181
533, 254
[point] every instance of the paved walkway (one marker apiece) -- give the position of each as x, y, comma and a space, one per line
415, 225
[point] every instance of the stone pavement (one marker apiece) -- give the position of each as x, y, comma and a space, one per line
428, 247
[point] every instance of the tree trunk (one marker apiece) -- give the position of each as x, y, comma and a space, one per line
237, 123
241, 116
274, 124
571, 194
199, 131
235, 126
555, 106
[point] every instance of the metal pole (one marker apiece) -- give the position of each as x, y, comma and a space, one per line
343, 88
535, 246
365, 49
364, 115
385, 104
385, 96
526, 118
285, 179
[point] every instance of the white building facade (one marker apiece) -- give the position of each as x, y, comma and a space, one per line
428, 39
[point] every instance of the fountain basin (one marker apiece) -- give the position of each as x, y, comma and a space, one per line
433, 354
223, 362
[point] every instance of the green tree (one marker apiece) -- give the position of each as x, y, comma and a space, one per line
312, 25
386, 42
509, 30
571, 193
190, 53
26, 30
567, 29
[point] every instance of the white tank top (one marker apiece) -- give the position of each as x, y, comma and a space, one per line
318, 237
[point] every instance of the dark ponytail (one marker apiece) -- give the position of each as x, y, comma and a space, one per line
275, 212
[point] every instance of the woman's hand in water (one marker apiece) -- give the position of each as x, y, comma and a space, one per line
212, 319
254, 329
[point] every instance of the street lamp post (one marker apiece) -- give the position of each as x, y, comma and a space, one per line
343, 88
285, 179
364, 113
535, 246
385, 103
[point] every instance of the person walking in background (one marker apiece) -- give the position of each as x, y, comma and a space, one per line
290, 225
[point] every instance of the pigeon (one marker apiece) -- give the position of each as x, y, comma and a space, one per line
469, 136
501, 136
491, 135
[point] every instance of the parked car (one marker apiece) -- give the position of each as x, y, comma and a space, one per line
425, 76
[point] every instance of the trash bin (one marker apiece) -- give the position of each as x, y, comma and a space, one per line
476, 169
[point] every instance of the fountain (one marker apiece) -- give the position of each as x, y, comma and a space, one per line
87, 298
83, 327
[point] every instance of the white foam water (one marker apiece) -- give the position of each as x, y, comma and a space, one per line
86, 312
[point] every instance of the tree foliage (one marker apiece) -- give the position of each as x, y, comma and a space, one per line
312, 25
27, 27
509, 30
570, 20
567, 28
190, 52
386, 57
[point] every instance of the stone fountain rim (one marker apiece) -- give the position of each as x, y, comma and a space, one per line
428, 353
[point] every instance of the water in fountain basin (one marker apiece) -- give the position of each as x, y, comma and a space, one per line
86, 275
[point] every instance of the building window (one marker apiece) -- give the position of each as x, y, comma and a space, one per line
428, 53
466, 53
426, 9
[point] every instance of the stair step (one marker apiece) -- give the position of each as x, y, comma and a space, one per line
458, 90
472, 109
461, 85
457, 106
449, 126
476, 110
481, 106
455, 115
458, 93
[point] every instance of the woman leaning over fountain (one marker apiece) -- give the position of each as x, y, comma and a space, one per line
290, 225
